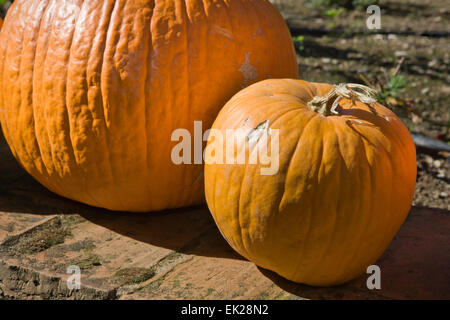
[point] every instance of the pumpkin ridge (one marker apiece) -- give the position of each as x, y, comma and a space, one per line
13, 11
288, 170
402, 147
109, 69
186, 18
70, 143
104, 56
40, 147
29, 145
22, 112
105, 104
343, 196
148, 76
359, 239
333, 212
317, 198
50, 149
241, 211
93, 73
383, 152
291, 157
67, 115
19, 114
33, 102
338, 199
361, 204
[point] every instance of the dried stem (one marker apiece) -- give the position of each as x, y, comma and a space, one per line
328, 104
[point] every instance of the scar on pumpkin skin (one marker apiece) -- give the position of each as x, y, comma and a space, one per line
256, 133
246, 121
222, 31
248, 70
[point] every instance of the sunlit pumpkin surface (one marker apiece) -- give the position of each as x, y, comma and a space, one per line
344, 186
91, 91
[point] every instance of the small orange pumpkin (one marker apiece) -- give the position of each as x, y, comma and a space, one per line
93, 90
345, 183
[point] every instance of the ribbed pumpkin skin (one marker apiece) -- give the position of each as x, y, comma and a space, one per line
341, 194
92, 90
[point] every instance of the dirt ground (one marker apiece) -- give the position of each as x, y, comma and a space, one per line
339, 48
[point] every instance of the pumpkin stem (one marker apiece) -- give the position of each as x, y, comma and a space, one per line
328, 104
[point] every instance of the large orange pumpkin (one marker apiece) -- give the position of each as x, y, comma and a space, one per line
91, 91
344, 186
